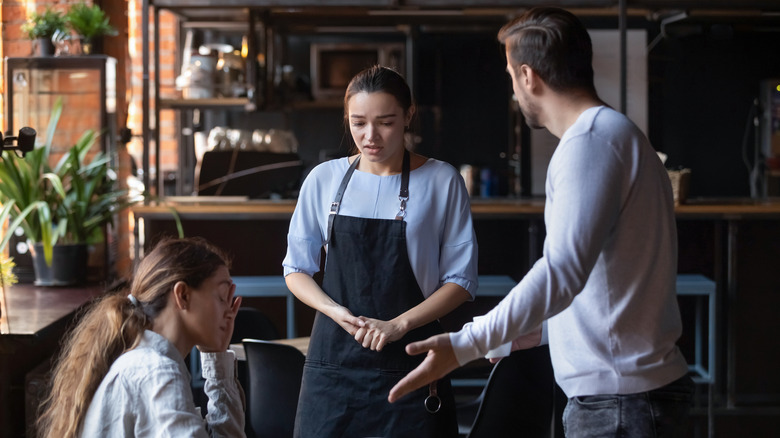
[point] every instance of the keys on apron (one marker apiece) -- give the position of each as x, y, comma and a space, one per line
432, 402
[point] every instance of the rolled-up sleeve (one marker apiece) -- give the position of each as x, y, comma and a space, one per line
225, 417
306, 237
458, 255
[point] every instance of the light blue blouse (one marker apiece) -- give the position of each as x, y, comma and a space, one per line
439, 233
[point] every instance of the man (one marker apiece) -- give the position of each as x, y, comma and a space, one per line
606, 280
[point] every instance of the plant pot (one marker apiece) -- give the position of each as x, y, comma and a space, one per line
91, 46
68, 265
43, 47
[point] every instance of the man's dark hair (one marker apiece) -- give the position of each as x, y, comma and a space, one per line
555, 44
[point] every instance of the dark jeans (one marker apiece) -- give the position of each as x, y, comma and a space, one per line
662, 412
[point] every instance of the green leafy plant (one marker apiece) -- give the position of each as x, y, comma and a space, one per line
89, 21
73, 200
88, 193
22, 188
44, 24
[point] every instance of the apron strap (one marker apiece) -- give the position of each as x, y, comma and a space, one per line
403, 195
334, 206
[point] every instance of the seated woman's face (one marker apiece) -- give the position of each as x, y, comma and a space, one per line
210, 309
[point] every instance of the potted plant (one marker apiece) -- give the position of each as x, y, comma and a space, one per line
90, 23
40, 28
63, 208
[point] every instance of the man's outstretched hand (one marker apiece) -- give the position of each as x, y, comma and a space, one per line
440, 361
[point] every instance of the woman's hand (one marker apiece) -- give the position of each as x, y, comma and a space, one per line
307, 290
230, 318
227, 325
375, 334
343, 317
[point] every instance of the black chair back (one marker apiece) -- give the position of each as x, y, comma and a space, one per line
519, 398
249, 323
275, 372
253, 323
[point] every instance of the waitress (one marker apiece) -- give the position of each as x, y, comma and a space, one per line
401, 253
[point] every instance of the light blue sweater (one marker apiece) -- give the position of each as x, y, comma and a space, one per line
606, 280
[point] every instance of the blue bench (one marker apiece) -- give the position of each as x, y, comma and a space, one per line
268, 286
495, 285
697, 286
701, 288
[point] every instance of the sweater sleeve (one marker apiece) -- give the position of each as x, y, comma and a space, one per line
584, 192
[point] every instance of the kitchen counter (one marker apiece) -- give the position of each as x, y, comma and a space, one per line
729, 208
211, 208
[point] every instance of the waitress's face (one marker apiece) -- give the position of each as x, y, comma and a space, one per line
377, 123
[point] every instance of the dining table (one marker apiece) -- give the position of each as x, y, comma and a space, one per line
300, 343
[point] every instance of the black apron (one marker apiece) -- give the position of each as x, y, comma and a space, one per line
345, 386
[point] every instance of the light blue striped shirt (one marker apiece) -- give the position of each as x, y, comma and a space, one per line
147, 393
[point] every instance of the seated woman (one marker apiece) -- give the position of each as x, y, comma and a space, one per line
121, 372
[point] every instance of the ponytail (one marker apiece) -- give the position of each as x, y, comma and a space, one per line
110, 327
115, 324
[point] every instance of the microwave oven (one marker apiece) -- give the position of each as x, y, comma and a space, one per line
334, 64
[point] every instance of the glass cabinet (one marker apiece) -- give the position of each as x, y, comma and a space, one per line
87, 85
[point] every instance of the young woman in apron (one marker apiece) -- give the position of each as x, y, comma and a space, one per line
401, 253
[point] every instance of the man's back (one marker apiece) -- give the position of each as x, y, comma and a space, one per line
612, 236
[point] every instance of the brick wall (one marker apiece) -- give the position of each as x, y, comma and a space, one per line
14, 13
125, 16
14, 43
168, 35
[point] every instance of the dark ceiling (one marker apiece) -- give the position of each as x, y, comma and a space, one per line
399, 12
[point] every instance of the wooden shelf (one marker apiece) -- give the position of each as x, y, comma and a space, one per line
480, 208
215, 102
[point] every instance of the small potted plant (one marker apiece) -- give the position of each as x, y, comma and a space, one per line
90, 23
40, 28
64, 208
